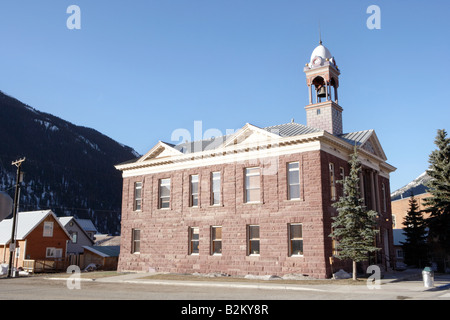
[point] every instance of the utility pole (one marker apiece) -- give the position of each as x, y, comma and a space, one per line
12, 245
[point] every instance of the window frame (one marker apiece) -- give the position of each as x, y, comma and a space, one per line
213, 181
135, 198
48, 229
194, 196
215, 240
333, 194
191, 250
251, 240
53, 253
74, 237
291, 239
288, 179
247, 188
160, 196
135, 243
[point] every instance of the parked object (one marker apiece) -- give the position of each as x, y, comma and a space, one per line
428, 277
341, 274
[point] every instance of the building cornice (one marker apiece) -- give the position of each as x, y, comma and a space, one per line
243, 151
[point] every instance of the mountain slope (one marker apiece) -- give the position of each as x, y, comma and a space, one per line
417, 186
68, 169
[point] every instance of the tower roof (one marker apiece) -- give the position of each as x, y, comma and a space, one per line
323, 53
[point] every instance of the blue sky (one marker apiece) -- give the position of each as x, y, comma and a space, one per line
138, 70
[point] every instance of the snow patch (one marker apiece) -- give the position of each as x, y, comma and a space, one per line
47, 125
91, 144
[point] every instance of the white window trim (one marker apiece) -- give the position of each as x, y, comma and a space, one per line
245, 184
160, 185
48, 229
289, 184
190, 251
191, 193
212, 188
135, 199
289, 239
248, 241
51, 252
212, 241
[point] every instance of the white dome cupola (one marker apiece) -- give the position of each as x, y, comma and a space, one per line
320, 56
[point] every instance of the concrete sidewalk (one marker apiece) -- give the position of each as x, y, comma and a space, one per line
144, 278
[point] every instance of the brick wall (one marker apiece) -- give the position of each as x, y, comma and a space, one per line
164, 232
400, 208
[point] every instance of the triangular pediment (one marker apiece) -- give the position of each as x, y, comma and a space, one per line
159, 151
367, 141
251, 135
372, 145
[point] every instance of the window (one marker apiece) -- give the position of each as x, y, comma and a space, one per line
53, 253
194, 238
342, 177
252, 185
295, 239
215, 188
74, 236
164, 193
332, 182
194, 191
216, 240
137, 196
253, 240
334, 245
383, 190
293, 180
48, 229
135, 241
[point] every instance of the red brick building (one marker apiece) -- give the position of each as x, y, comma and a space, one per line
258, 201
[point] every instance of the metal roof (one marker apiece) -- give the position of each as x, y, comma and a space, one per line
104, 251
358, 138
86, 224
283, 130
291, 129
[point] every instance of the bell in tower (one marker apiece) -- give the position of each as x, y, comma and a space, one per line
320, 85
321, 92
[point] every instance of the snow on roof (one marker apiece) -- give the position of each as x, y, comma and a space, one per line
25, 223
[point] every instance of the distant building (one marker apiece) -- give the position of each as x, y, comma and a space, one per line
400, 209
39, 236
258, 201
79, 237
103, 257
88, 226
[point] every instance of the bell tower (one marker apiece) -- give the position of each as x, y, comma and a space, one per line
322, 78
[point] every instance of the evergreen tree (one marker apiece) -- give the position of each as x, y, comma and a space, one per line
415, 246
354, 228
439, 187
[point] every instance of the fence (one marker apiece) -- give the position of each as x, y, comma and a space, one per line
44, 266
